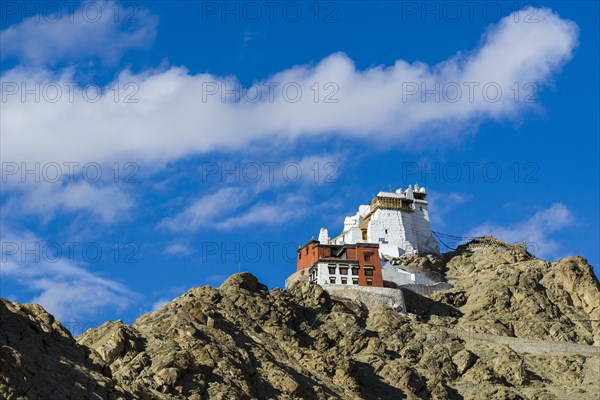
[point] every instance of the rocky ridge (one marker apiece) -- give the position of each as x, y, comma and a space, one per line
242, 341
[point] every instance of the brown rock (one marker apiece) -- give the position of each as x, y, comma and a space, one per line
242, 341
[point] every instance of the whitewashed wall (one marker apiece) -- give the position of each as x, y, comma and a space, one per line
323, 274
401, 277
369, 295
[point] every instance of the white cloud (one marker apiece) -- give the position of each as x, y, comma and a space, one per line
441, 204
206, 210
230, 208
159, 303
103, 30
171, 119
178, 249
104, 202
279, 212
537, 230
63, 287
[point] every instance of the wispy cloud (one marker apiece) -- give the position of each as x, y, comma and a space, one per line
236, 207
174, 116
206, 210
159, 303
280, 211
441, 204
62, 286
103, 30
105, 203
538, 230
178, 249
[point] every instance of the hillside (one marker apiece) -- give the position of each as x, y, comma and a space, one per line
512, 327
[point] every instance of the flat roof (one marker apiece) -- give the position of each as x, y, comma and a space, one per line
391, 194
347, 245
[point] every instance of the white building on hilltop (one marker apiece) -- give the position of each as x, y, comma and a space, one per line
398, 221
392, 225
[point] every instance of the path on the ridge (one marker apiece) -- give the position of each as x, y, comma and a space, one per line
531, 346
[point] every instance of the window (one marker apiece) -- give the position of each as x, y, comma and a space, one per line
367, 256
307, 251
364, 234
368, 271
331, 270
332, 279
354, 270
343, 270
421, 208
344, 281
369, 282
299, 255
386, 231
355, 281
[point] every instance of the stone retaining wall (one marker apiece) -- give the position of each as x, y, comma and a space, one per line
369, 295
427, 289
533, 346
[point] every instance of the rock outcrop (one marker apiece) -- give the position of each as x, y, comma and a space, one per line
242, 341
501, 291
39, 359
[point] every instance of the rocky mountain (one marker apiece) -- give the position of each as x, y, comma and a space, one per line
513, 327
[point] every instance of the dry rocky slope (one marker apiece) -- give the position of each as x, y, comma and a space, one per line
242, 341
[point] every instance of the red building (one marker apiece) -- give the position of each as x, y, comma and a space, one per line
344, 264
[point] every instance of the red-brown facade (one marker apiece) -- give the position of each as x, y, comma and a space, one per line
366, 254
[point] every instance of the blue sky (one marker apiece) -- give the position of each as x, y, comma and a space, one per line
149, 147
